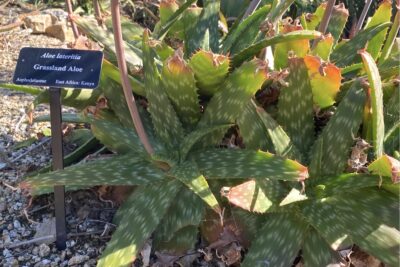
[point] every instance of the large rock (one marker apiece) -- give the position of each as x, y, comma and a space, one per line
57, 14
61, 32
38, 23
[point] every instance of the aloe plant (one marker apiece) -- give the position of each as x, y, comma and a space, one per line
199, 94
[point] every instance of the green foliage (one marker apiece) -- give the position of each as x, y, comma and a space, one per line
238, 88
245, 33
285, 231
241, 164
210, 70
345, 54
180, 85
191, 99
337, 22
382, 15
138, 222
252, 129
331, 149
296, 106
376, 102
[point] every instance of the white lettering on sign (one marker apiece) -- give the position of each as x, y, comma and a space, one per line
57, 68
89, 84
60, 56
31, 80
75, 69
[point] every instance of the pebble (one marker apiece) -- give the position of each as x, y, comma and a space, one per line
17, 224
3, 205
75, 260
44, 250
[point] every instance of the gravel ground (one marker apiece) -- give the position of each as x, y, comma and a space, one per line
23, 219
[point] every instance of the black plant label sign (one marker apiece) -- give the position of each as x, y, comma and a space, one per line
58, 67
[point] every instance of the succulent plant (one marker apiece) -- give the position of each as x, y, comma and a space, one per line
303, 196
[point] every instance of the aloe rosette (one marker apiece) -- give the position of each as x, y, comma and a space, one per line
290, 174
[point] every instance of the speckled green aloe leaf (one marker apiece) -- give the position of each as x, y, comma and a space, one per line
278, 242
66, 117
117, 138
110, 71
119, 170
296, 47
390, 43
390, 67
22, 88
295, 106
330, 186
207, 22
258, 196
392, 122
346, 54
254, 49
235, 93
282, 144
251, 129
181, 220
161, 31
133, 56
376, 100
337, 22
278, 9
131, 31
116, 100
242, 164
193, 137
76, 98
180, 85
372, 219
323, 217
382, 15
331, 150
165, 121
323, 48
142, 212
316, 252
246, 32
386, 166
163, 50
188, 174
210, 70
311, 21
182, 241
392, 107
166, 10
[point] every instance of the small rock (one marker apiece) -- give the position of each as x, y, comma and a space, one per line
75, 260
3, 205
17, 224
63, 254
38, 23
71, 243
61, 32
44, 250
35, 251
7, 253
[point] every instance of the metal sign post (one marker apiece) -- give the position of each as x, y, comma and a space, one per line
58, 68
58, 164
